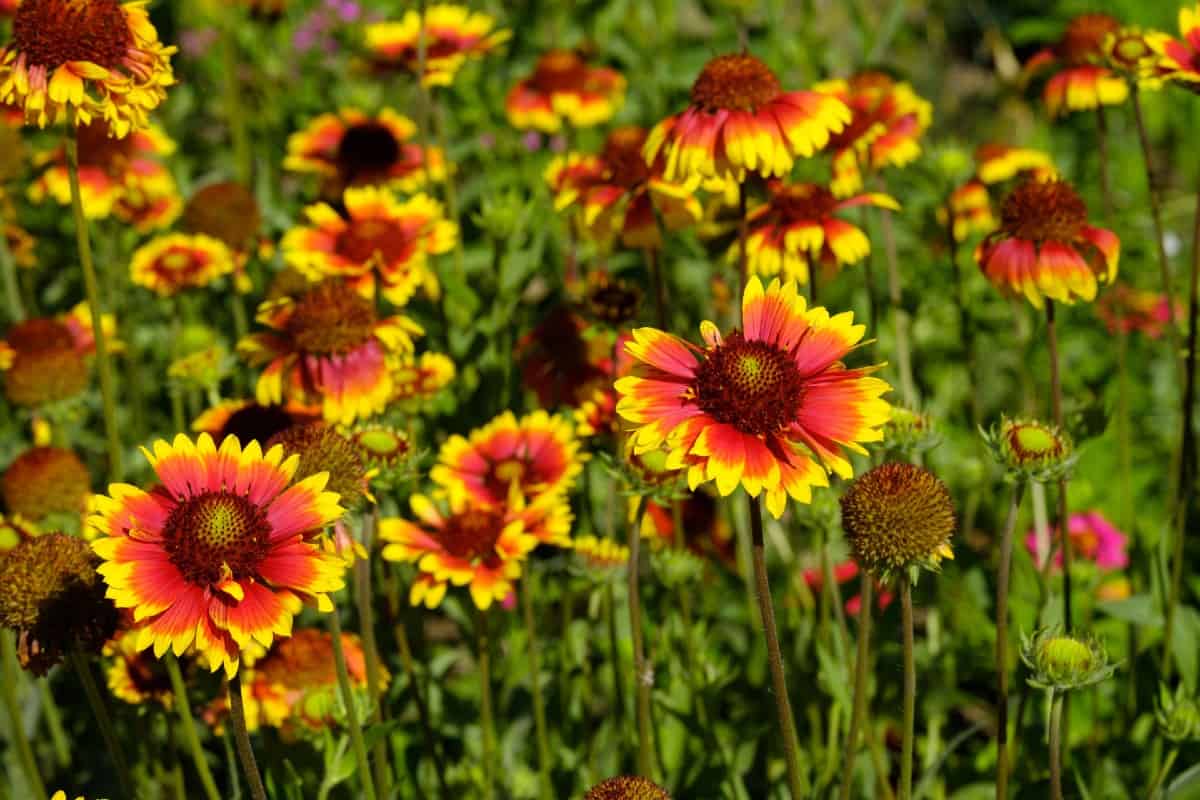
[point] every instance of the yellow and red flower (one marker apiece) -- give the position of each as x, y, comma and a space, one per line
884, 130
619, 194
1126, 309
378, 234
705, 530
117, 177
1045, 247
1080, 82
969, 211
134, 675
420, 379
770, 407
78, 322
478, 546
172, 263
1128, 52
222, 553
452, 35
251, 421
741, 120
1179, 59
564, 88
98, 59
328, 347
560, 363
996, 163
42, 363
798, 227
538, 455
351, 148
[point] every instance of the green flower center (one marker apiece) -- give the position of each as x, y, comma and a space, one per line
1062, 656
216, 535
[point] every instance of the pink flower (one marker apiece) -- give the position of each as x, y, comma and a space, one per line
1093, 538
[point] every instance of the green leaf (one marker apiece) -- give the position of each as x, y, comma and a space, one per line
1140, 609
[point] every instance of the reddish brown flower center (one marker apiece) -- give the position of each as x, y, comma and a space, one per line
735, 82
304, 661
331, 319
1043, 211
804, 201
623, 155
39, 335
226, 211
49, 33
559, 71
216, 535
751, 385
613, 301
1084, 37
366, 152
472, 534
147, 675
368, 239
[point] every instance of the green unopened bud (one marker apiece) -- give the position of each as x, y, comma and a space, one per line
677, 567
1060, 661
1177, 715
954, 163
910, 431
1031, 450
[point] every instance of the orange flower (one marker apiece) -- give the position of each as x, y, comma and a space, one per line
560, 364
740, 120
970, 208
1080, 83
170, 264
1045, 247
452, 35
768, 408
1127, 309
996, 163
1179, 59
135, 676
418, 380
250, 421
563, 87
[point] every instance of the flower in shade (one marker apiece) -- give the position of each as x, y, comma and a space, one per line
20, 245
536, 455
226, 211
797, 228
559, 363
564, 88
452, 35
996, 163
619, 195
417, 380
706, 532
96, 59
172, 263
477, 546
1179, 59
320, 448
53, 598
380, 237
250, 421
351, 148
117, 177
43, 363
769, 407
222, 552
887, 121
15, 529
135, 676
896, 517
627, 788
1045, 248
741, 120
43, 481
1093, 538
1080, 82
328, 347
1126, 309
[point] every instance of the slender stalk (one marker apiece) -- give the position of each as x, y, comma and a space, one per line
1124, 444
900, 319
910, 688
62, 747
9, 689
8, 272
237, 711
782, 705
861, 669
643, 675
100, 710
966, 329
450, 190
410, 668
1102, 151
614, 646
486, 714
347, 692
234, 109
366, 615
1002, 581
535, 686
1056, 400
743, 234
1162, 773
189, 728
660, 286
91, 285
1056, 705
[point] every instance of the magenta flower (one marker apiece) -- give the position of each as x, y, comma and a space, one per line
1093, 538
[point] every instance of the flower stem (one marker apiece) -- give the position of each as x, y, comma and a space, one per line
743, 234
243, 162
410, 668
1056, 705
237, 711
910, 688
13, 706
189, 728
366, 615
91, 285
614, 647
774, 655
900, 318
660, 286
535, 687
356, 736
1162, 773
861, 669
62, 747
8, 272
1102, 152
1056, 400
84, 670
1002, 581
642, 674
486, 714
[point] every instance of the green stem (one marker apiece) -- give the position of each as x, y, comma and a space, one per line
237, 712
783, 706
190, 734
900, 320
1162, 773
535, 686
486, 713
743, 236
233, 105
8, 272
366, 615
91, 285
1056, 402
1056, 705
1124, 445
1002, 581
62, 747
13, 706
100, 710
614, 647
347, 691
449, 188
410, 669
1102, 153
861, 670
910, 688
643, 675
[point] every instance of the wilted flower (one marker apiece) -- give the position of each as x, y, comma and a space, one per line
1061, 662
564, 88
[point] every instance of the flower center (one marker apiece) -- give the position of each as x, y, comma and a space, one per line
1064, 656
366, 152
735, 82
623, 155
472, 534
216, 535
1130, 49
1084, 37
559, 71
331, 319
225, 211
51, 33
753, 386
98, 148
1043, 211
39, 335
1031, 440
804, 201
256, 422
371, 238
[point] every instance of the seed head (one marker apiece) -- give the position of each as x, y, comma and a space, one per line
627, 788
322, 449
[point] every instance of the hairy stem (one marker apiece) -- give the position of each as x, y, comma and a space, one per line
1002, 581
1056, 707
910, 688
237, 712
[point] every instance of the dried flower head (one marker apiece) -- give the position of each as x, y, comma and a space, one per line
46, 366
1061, 661
323, 449
45, 480
627, 788
227, 212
